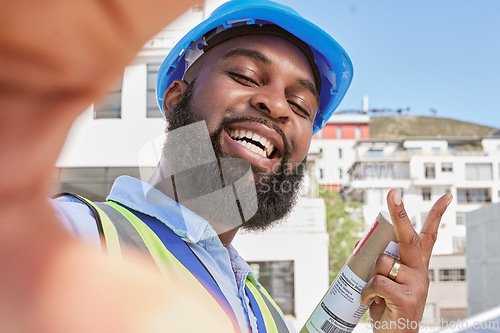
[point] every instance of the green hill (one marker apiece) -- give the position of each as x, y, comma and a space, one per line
399, 127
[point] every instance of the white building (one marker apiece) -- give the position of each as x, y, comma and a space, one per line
123, 135
423, 169
483, 258
336, 142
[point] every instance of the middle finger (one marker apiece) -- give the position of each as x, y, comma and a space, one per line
408, 239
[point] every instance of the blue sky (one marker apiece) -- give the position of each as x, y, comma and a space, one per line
426, 54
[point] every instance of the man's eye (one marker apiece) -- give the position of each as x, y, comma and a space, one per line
299, 110
245, 80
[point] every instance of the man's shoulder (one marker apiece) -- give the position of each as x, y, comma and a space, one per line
77, 218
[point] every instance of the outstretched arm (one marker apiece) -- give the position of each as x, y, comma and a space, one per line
56, 57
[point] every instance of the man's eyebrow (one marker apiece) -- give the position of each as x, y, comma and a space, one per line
310, 86
254, 54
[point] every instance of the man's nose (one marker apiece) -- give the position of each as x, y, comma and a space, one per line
272, 102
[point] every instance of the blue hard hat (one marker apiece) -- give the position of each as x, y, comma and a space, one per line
333, 63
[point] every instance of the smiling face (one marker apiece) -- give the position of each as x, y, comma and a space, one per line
261, 77
257, 97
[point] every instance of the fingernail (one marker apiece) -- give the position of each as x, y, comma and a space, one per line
396, 198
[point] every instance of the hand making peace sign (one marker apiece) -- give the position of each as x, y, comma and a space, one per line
399, 301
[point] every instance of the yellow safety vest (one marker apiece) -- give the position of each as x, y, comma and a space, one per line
118, 224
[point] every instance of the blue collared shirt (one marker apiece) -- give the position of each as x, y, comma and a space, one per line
226, 266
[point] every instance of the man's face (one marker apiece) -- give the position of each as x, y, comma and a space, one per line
257, 97
263, 77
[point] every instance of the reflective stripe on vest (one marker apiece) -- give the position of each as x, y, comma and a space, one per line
173, 256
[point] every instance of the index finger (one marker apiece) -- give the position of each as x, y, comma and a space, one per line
408, 239
428, 233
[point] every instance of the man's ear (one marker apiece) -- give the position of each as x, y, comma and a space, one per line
172, 95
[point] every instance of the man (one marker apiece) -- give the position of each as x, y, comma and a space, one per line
261, 80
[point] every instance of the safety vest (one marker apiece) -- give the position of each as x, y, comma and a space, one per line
118, 224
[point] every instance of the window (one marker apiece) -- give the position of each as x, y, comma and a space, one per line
152, 110
111, 105
339, 132
447, 167
357, 133
321, 173
94, 183
447, 275
374, 152
478, 171
277, 277
430, 272
426, 194
458, 243
340, 153
430, 170
460, 218
340, 173
473, 195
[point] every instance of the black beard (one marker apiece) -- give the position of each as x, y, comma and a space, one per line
277, 192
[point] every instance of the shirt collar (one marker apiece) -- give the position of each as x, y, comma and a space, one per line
146, 199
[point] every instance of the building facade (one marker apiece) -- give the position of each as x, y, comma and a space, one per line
423, 169
336, 142
483, 258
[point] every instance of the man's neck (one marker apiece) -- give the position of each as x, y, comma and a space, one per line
158, 181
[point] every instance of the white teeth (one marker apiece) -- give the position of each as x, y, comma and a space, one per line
269, 149
265, 142
239, 134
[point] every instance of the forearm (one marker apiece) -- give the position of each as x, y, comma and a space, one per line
56, 57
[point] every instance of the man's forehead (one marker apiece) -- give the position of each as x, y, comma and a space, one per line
263, 48
213, 39
254, 46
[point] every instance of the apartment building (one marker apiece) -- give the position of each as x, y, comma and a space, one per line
336, 142
423, 169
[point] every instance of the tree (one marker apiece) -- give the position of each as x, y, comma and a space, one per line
344, 223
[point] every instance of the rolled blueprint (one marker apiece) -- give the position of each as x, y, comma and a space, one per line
340, 310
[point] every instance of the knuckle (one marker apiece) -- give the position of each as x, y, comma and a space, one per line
421, 294
432, 236
402, 214
414, 240
382, 259
426, 281
378, 282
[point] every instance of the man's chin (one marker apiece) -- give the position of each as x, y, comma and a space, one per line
277, 195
